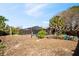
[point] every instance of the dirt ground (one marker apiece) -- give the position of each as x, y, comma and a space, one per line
24, 45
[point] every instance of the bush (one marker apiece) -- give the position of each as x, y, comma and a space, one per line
3, 33
2, 46
41, 33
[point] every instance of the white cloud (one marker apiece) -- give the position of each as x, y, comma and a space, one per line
45, 22
34, 9
8, 9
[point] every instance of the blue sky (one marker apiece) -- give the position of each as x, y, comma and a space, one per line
28, 15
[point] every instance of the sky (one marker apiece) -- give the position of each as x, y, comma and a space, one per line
26, 15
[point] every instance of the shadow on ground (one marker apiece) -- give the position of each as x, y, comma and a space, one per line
76, 52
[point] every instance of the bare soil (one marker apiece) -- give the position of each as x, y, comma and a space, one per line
24, 45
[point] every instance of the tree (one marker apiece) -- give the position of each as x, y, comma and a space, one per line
3, 25
2, 22
57, 23
71, 18
14, 30
72, 26
7, 29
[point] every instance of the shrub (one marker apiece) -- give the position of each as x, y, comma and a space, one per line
2, 46
3, 33
41, 33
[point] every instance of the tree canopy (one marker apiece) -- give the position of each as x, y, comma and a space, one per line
2, 22
57, 23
